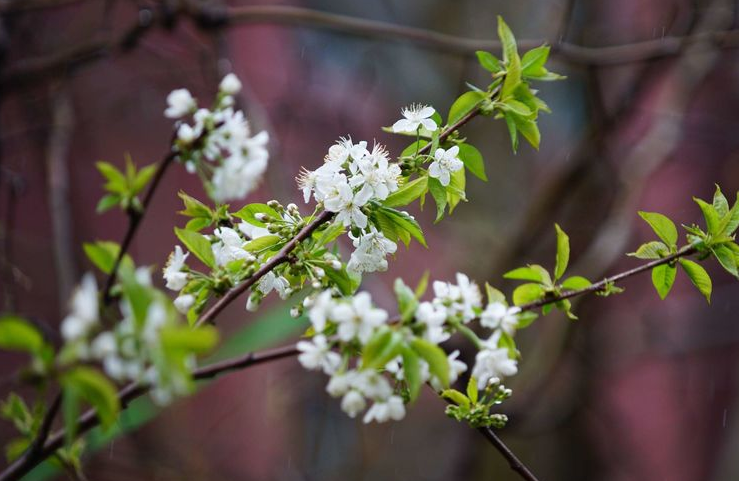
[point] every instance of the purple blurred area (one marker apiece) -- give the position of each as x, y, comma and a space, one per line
636, 389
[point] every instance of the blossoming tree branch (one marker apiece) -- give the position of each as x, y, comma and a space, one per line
131, 338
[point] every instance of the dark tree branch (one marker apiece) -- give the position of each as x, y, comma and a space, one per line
601, 286
25, 72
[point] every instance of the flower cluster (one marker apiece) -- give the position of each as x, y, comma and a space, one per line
342, 327
220, 136
134, 350
348, 181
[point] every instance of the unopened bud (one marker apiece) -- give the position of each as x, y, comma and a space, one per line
316, 284
336, 265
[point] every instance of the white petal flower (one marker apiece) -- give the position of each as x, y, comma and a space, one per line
372, 384
358, 319
184, 302
371, 250
321, 310
416, 116
318, 355
493, 362
445, 163
230, 85
339, 384
271, 282
83, 313
497, 316
353, 403
179, 103
176, 279
383, 411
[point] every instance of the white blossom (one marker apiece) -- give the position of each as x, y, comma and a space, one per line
230, 246
382, 411
317, 354
321, 310
353, 403
230, 85
374, 172
370, 251
176, 279
414, 117
445, 163
347, 205
461, 299
344, 150
184, 302
179, 104
493, 363
83, 313
358, 318
271, 282
497, 316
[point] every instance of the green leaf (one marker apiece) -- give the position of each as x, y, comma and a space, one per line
198, 245
403, 221
262, 243
17, 334
107, 202
526, 293
575, 283
407, 301
663, 276
248, 212
720, 204
103, 254
382, 348
422, 285
472, 159
198, 341
515, 107
563, 253
709, 213
435, 357
510, 58
472, 392
532, 62
726, 258
90, 385
494, 295
488, 61
512, 130
455, 396
341, 279
466, 102
528, 129
730, 221
698, 276
662, 226
193, 207
455, 191
116, 180
651, 250
413, 149
525, 274
412, 372
408, 193
526, 318
142, 178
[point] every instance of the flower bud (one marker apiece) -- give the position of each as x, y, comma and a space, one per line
230, 85
295, 312
316, 284
336, 265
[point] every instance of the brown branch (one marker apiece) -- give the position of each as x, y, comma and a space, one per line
601, 286
23, 73
135, 217
512, 459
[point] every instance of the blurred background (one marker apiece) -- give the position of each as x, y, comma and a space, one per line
637, 389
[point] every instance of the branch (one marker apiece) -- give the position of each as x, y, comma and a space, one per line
512, 459
135, 217
602, 285
283, 255
25, 72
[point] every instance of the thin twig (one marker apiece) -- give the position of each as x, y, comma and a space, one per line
24, 73
135, 217
512, 459
602, 285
